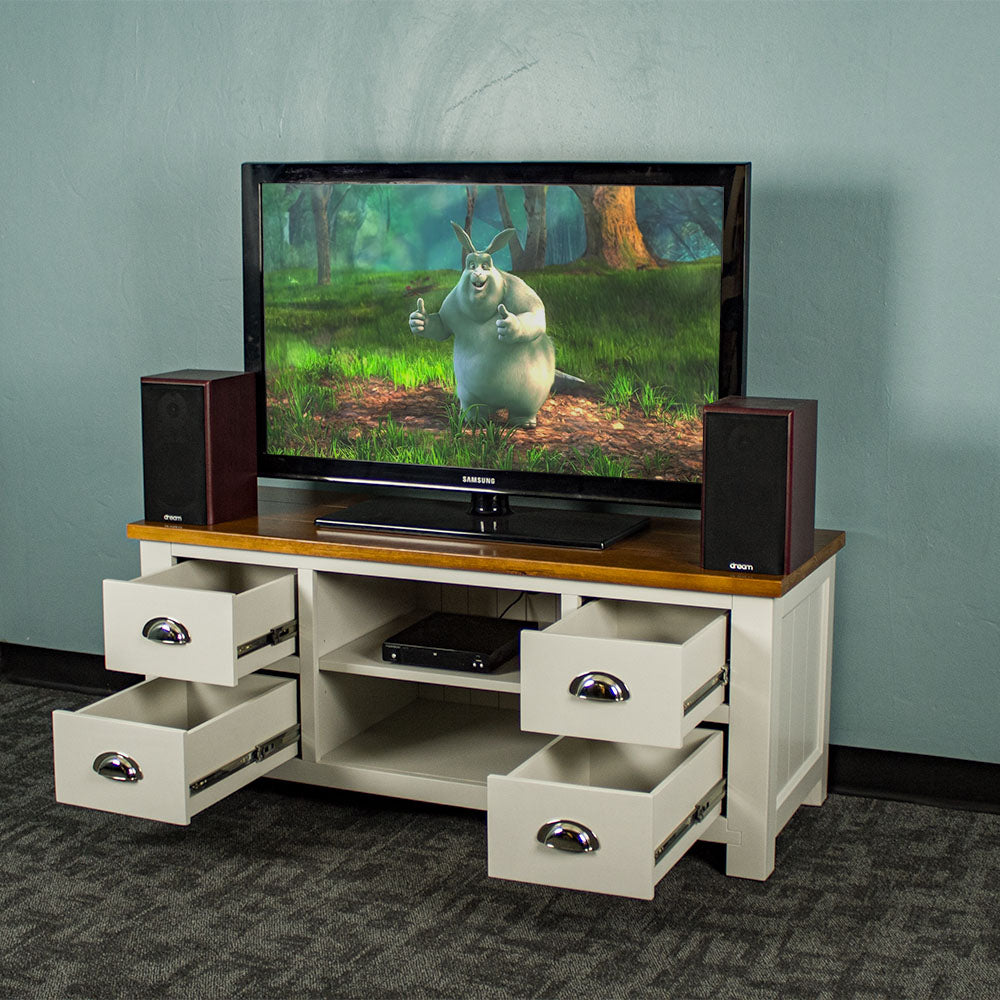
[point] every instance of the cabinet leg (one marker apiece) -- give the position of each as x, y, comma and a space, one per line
753, 858
751, 807
817, 794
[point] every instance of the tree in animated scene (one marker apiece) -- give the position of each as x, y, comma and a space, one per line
529, 256
326, 218
613, 235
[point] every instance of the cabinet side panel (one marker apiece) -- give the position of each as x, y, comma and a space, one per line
803, 665
804, 696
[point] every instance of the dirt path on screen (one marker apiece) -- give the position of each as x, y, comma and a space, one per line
565, 422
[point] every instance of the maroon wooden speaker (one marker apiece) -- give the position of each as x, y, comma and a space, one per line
199, 452
759, 484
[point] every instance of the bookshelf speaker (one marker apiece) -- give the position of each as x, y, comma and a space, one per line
759, 484
199, 453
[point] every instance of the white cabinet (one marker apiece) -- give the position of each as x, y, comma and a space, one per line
655, 704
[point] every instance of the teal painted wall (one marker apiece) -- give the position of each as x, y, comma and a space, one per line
874, 137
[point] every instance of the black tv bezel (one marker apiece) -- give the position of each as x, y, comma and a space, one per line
733, 178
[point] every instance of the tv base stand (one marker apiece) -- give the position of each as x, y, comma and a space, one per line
488, 516
656, 704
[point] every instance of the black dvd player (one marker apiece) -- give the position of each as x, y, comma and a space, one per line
456, 642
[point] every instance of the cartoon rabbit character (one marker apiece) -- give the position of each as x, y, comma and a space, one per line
502, 356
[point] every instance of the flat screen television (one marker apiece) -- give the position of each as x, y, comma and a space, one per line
500, 330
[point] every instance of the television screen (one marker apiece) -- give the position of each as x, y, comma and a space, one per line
539, 329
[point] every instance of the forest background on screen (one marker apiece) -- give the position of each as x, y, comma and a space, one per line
629, 277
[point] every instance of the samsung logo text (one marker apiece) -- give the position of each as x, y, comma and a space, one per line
480, 480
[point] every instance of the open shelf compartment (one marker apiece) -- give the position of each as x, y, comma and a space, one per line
393, 737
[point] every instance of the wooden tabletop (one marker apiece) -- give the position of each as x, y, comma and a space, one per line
664, 555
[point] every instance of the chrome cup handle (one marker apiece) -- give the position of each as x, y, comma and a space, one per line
568, 835
117, 767
597, 686
166, 631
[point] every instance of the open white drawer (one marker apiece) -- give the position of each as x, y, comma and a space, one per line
624, 671
200, 621
604, 817
167, 749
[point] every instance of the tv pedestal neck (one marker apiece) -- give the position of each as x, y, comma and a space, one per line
709, 717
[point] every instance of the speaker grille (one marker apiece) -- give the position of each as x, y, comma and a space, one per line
745, 491
174, 452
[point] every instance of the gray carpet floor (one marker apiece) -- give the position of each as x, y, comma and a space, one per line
283, 891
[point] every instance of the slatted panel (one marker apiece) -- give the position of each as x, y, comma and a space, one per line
800, 696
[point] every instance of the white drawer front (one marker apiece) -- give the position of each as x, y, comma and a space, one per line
624, 671
634, 806
156, 740
197, 615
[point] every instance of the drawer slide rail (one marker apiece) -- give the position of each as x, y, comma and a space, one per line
696, 815
272, 637
721, 679
258, 753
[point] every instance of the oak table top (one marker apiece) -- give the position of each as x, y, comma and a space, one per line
664, 555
